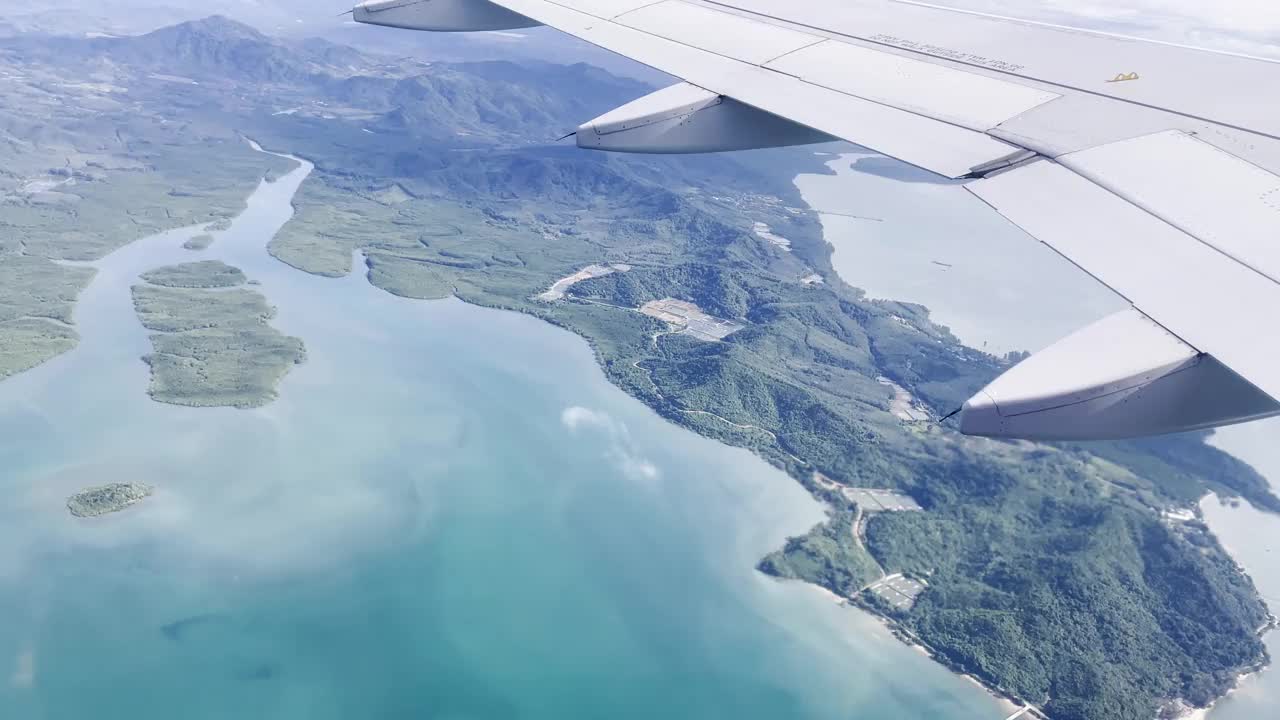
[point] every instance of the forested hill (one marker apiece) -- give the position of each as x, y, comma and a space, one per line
1054, 572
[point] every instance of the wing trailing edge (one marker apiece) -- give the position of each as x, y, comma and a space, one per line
1123, 376
441, 15
684, 118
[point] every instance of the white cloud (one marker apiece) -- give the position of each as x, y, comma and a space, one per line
619, 450
577, 417
24, 673
1244, 26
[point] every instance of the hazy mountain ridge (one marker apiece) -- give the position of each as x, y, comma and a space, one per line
215, 46
76, 18
468, 102
306, 19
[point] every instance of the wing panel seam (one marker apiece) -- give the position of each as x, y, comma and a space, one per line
1072, 88
626, 12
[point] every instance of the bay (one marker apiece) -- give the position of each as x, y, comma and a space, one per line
900, 233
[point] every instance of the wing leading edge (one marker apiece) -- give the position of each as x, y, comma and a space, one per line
1170, 200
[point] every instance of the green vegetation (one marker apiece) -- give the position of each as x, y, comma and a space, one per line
829, 554
104, 499
36, 287
203, 274
36, 299
27, 342
1186, 468
91, 162
108, 197
1051, 583
212, 347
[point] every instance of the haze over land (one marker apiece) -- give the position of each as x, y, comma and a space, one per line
1052, 572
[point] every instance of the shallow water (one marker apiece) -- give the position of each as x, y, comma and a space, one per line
902, 235
448, 512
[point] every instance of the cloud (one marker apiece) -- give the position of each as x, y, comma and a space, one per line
24, 674
619, 450
1242, 26
577, 417
637, 468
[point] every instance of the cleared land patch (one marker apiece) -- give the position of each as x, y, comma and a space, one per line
882, 500
690, 319
764, 232
898, 591
904, 405
561, 286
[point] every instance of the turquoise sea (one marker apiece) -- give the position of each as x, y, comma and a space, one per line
448, 513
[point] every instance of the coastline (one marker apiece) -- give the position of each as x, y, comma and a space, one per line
895, 628
1085, 301
1006, 703
1009, 704
1204, 713
1248, 536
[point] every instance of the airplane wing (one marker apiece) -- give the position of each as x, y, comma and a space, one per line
1153, 167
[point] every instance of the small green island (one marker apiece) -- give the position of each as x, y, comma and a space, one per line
103, 499
202, 274
213, 347
199, 242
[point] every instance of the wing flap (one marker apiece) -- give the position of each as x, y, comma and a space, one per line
1230, 204
1212, 302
